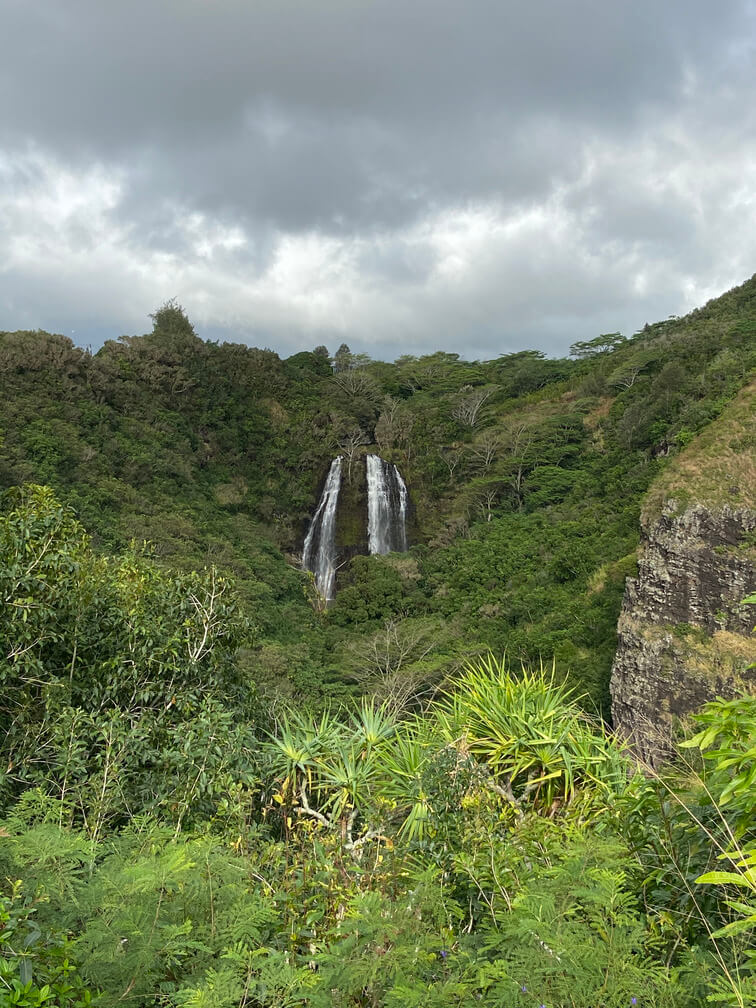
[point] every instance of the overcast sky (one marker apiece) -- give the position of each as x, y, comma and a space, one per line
479, 176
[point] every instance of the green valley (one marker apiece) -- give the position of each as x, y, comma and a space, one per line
217, 789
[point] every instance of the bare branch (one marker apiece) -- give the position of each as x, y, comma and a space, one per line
307, 809
349, 446
468, 408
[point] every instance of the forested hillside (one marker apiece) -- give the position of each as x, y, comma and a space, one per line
526, 477
217, 791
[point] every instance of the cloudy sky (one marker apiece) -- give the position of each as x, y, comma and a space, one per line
404, 175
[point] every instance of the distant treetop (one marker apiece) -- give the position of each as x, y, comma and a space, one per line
601, 344
171, 318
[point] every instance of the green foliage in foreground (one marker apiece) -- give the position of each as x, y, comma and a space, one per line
728, 744
493, 903
35, 968
167, 840
121, 693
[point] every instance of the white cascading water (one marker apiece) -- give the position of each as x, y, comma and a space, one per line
319, 553
402, 528
387, 507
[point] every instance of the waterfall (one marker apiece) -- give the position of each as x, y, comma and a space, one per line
402, 527
387, 501
387, 507
319, 554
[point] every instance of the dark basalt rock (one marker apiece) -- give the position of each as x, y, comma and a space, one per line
690, 571
684, 634
351, 516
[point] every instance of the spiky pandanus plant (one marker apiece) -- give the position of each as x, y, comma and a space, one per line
530, 732
326, 768
296, 750
529, 737
403, 766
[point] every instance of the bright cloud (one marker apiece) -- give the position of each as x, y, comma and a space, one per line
463, 182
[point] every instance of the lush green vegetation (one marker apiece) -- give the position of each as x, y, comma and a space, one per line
164, 843
526, 477
214, 793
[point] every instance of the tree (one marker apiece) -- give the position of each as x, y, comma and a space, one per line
485, 450
468, 407
171, 318
100, 658
357, 385
42, 548
625, 377
481, 493
342, 359
585, 349
517, 443
628, 371
452, 456
349, 446
401, 663
171, 359
394, 427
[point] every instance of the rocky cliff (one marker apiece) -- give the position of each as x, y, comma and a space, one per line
684, 632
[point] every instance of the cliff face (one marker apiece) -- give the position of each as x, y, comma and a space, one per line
684, 634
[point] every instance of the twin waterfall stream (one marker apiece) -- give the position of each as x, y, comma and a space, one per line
387, 507
386, 520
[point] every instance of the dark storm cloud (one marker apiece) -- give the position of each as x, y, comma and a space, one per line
433, 173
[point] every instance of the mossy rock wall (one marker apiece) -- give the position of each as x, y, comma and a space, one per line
352, 513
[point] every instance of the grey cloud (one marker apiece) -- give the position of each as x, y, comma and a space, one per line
160, 69
298, 170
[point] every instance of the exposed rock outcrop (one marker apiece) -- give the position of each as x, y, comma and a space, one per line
684, 633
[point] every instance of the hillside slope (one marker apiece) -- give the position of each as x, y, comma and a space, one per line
684, 632
526, 477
